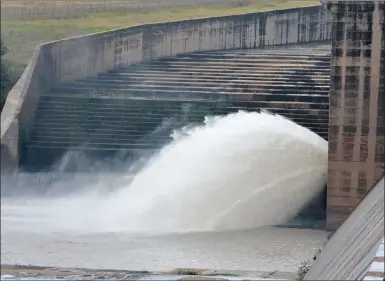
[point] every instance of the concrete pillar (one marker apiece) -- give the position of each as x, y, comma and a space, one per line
356, 122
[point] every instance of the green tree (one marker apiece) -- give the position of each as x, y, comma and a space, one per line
6, 80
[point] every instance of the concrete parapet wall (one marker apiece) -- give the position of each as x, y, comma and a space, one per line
76, 58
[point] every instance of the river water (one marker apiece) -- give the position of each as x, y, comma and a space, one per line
263, 249
207, 200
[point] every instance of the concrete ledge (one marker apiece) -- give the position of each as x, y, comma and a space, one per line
12, 272
352, 248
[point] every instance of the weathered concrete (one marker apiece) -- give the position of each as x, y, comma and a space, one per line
118, 111
376, 269
356, 151
12, 272
357, 108
351, 249
76, 58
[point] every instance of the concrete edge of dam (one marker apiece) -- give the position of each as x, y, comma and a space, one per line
352, 248
355, 158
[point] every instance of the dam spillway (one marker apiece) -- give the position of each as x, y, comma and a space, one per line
133, 110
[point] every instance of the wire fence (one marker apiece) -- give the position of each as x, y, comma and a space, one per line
81, 10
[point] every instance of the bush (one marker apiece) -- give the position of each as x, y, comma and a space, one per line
9, 74
303, 269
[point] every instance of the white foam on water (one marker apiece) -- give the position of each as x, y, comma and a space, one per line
239, 171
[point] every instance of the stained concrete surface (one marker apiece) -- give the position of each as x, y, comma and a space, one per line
77, 58
352, 248
41, 273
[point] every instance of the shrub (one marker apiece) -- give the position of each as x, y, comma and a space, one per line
303, 269
9, 74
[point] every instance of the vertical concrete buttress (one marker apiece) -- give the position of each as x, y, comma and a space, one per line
356, 122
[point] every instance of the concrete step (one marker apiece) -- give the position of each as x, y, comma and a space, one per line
249, 57
111, 134
118, 111
208, 78
306, 54
70, 103
202, 67
200, 71
191, 74
93, 144
85, 139
167, 92
233, 63
65, 103
139, 132
95, 123
129, 123
106, 143
261, 104
101, 92
148, 89
87, 126
64, 109
82, 93
128, 137
142, 116
228, 83
243, 62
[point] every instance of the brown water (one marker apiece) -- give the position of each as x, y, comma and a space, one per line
26, 239
244, 170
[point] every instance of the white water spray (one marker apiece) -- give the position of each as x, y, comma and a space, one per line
240, 171
243, 170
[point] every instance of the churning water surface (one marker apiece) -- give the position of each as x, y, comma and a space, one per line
207, 200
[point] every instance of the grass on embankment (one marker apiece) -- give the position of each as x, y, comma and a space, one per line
22, 36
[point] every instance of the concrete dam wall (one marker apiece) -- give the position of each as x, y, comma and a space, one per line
60, 62
89, 84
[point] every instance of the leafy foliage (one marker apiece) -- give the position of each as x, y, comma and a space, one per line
8, 76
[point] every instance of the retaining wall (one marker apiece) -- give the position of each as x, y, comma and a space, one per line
75, 58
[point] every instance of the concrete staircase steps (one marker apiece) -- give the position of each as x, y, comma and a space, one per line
209, 78
62, 112
65, 104
180, 63
239, 65
176, 92
262, 57
225, 74
232, 83
219, 68
134, 110
116, 135
257, 97
118, 115
194, 86
304, 53
179, 94
256, 104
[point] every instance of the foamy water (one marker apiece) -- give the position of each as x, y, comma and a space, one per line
244, 170
241, 171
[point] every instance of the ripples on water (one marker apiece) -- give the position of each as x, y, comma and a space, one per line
243, 171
